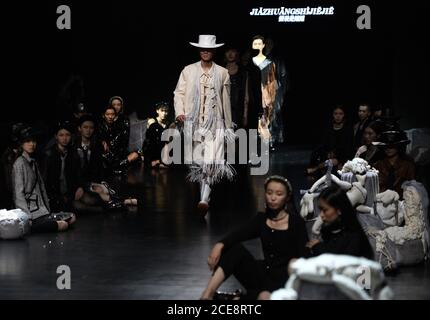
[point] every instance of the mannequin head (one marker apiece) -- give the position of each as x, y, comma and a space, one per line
258, 43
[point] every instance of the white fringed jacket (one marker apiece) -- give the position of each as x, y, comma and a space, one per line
187, 93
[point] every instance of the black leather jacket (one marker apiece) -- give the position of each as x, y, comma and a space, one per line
117, 137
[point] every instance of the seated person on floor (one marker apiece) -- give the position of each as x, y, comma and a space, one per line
368, 151
365, 117
396, 167
121, 118
78, 110
283, 237
115, 137
29, 189
153, 146
336, 145
59, 169
95, 191
341, 231
122, 122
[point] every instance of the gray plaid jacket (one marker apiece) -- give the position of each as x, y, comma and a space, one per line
29, 193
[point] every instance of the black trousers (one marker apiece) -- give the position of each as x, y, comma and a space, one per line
44, 224
253, 274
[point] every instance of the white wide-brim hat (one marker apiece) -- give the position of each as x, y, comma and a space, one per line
207, 41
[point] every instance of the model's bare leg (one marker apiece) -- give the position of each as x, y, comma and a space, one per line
206, 193
214, 283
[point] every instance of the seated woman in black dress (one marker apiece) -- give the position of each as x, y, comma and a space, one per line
341, 232
283, 237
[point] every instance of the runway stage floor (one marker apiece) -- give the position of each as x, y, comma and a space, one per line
159, 250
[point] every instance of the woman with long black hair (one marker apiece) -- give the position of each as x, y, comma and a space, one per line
341, 231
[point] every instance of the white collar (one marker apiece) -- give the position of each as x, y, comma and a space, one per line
211, 70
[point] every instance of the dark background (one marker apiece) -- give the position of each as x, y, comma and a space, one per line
137, 49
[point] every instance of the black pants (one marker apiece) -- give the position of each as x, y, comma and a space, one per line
253, 274
44, 224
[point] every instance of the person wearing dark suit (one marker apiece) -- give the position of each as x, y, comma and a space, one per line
29, 192
60, 168
365, 117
